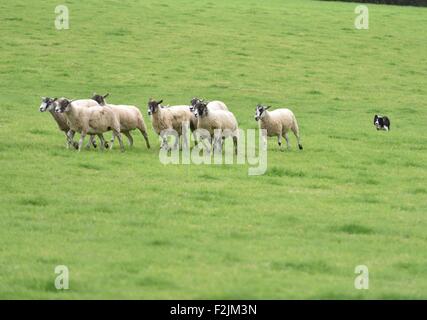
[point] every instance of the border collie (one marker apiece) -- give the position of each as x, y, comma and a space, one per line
382, 122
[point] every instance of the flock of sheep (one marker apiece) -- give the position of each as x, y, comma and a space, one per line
95, 116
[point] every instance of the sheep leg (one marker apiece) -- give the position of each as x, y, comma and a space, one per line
164, 144
235, 142
296, 133
287, 141
91, 142
176, 142
70, 137
195, 138
82, 138
279, 140
116, 133
220, 143
102, 141
113, 137
210, 145
106, 146
130, 139
67, 141
215, 144
145, 135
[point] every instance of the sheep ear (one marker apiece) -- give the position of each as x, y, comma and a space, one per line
160, 101
106, 95
268, 107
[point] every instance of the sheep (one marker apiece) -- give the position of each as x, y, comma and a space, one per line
278, 123
129, 116
89, 120
212, 120
170, 118
47, 105
212, 105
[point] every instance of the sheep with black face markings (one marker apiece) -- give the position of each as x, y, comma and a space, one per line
48, 105
277, 123
212, 105
212, 120
89, 120
129, 116
170, 118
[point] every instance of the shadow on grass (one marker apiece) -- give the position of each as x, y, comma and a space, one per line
354, 228
280, 172
36, 202
307, 266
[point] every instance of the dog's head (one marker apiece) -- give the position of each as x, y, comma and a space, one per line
378, 121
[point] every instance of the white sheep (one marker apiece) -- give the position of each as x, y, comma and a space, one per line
212, 105
278, 123
129, 116
61, 121
212, 120
170, 118
89, 120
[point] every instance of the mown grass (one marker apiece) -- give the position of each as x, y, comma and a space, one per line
129, 227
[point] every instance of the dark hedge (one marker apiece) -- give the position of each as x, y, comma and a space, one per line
420, 3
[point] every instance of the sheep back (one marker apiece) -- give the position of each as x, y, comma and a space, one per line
173, 117
130, 117
278, 122
217, 105
218, 119
93, 120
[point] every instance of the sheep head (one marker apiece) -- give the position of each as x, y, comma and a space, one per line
62, 105
47, 104
193, 103
259, 111
153, 106
99, 98
201, 108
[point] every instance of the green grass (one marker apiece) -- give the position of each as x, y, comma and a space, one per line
129, 227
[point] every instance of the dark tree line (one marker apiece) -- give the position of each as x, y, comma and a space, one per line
420, 3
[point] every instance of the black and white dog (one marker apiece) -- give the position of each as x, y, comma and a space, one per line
382, 122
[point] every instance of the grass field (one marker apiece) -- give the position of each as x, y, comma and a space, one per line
127, 226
